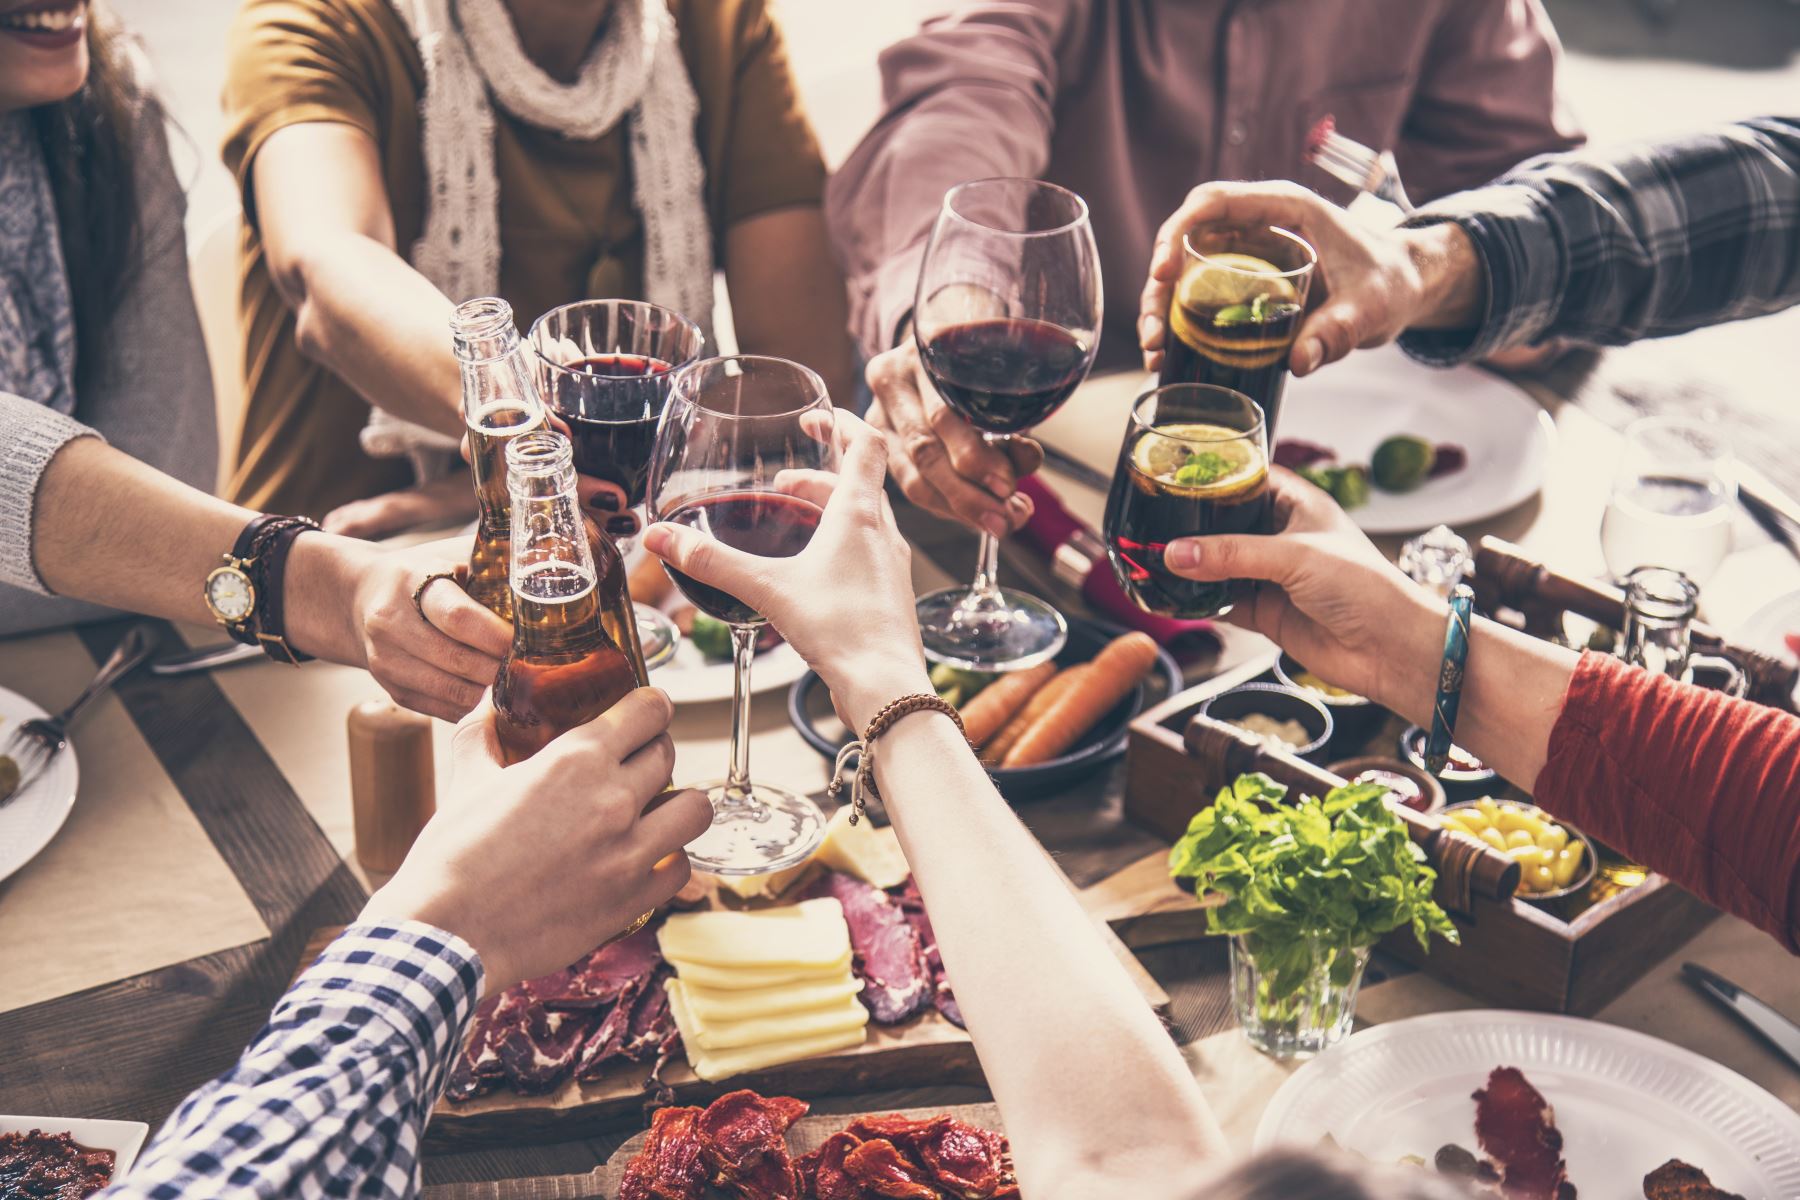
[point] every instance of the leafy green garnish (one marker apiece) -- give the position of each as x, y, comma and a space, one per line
1337, 872
1198, 470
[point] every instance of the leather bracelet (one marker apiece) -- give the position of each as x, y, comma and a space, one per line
271, 575
1450, 679
862, 783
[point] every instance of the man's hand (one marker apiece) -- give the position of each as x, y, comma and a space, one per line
941, 462
1371, 285
536, 864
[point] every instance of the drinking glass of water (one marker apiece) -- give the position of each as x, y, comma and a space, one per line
1672, 500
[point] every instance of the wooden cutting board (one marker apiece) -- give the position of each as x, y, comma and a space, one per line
927, 1050
806, 1135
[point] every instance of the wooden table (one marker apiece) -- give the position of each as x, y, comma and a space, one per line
134, 1048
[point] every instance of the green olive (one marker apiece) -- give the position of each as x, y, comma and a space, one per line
1402, 463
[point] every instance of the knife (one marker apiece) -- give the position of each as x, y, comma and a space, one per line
206, 658
1776, 511
1776, 1029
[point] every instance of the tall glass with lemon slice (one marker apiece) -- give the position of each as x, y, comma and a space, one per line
1236, 311
1195, 462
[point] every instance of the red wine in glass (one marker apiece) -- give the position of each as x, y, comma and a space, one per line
770, 524
617, 450
1004, 375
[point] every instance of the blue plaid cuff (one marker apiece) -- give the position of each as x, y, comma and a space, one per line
1524, 263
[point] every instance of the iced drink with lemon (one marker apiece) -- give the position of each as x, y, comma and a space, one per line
1236, 311
1194, 462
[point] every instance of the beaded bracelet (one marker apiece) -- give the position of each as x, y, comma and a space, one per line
862, 783
1450, 679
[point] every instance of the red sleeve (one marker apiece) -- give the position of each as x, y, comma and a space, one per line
1698, 786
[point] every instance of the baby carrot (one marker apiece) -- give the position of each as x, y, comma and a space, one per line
1013, 730
1112, 674
1001, 700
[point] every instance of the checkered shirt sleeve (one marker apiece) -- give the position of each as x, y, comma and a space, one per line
1649, 240
332, 1096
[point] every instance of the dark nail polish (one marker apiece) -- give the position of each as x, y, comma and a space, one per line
622, 527
606, 502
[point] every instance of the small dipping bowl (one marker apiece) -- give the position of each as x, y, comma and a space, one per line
1280, 702
1355, 718
1583, 876
1412, 786
1458, 783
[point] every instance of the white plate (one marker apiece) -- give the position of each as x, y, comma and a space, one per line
123, 1138
692, 678
29, 820
1625, 1102
1352, 406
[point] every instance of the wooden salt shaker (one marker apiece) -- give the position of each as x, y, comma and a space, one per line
393, 782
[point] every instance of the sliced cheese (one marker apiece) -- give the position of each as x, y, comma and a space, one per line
723, 1064
712, 1036
870, 854
713, 1005
740, 979
770, 884
809, 934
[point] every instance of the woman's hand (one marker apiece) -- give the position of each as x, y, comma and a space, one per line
1336, 604
536, 864
846, 601
1370, 286
351, 602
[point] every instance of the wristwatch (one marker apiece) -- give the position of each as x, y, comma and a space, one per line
245, 595
231, 589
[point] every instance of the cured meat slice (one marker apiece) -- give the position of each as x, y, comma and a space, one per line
888, 957
669, 1166
882, 1170
913, 905
605, 1042
652, 1026
1517, 1129
1676, 1180
604, 975
478, 1069
742, 1133
539, 1051
823, 1175
903, 1131
966, 1161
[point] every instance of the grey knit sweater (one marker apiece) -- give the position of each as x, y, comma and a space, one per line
152, 397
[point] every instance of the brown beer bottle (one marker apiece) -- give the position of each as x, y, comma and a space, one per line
574, 651
500, 402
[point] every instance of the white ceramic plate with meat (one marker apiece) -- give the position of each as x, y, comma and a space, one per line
123, 1138
1625, 1102
31, 818
1353, 406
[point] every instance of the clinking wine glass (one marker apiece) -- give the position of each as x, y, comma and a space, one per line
733, 430
1007, 321
607, 366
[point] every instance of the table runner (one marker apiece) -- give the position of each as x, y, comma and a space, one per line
132, 879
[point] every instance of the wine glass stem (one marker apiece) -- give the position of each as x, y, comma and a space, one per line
987, 569
737, 780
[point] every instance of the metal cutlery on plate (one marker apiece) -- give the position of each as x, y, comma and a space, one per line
34, 743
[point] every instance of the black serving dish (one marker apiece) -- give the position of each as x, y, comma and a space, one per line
1281, 702
809, 708
1458, 785
1355, 718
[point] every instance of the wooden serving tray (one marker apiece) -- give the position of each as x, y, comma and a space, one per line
805, 1136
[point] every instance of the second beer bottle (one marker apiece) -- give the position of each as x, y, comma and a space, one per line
574, 651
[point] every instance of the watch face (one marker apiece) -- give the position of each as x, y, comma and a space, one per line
229, 594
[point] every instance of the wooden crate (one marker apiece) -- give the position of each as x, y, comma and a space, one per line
1513, 953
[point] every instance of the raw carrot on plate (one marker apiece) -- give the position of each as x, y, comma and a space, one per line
1001, 700
1112, 674
996, 749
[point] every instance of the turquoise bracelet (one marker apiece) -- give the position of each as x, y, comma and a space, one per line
1450, 679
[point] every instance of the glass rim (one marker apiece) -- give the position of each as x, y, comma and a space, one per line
679, 390
1682, 592
1076, 222
1307, 268
1142, 426
641, 305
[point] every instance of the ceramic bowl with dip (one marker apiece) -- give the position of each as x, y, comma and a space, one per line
1464, 778
1288, 720
1355, 718
1412, 786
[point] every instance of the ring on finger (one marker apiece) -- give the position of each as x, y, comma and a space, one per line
418, 596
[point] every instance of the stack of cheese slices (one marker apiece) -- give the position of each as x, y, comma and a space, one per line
753, 989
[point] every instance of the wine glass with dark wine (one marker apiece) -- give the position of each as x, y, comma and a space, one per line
606, 367
735, 431
1007, 320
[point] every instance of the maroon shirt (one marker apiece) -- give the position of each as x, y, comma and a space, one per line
1131, 103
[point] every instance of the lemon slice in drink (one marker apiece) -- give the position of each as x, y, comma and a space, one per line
1221, 280
1199, 460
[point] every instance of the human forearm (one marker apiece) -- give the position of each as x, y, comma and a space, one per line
1053, 1015
335, 1091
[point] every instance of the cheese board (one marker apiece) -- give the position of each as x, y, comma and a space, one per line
803, 1137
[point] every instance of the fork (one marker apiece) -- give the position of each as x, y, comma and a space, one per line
1349, 161
34, 743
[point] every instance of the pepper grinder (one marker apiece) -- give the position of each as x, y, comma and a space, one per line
393, 782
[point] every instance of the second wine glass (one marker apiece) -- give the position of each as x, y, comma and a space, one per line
735, 431
1007, 321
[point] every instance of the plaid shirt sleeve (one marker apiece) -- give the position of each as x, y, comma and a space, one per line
1609, 247
332, 1096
